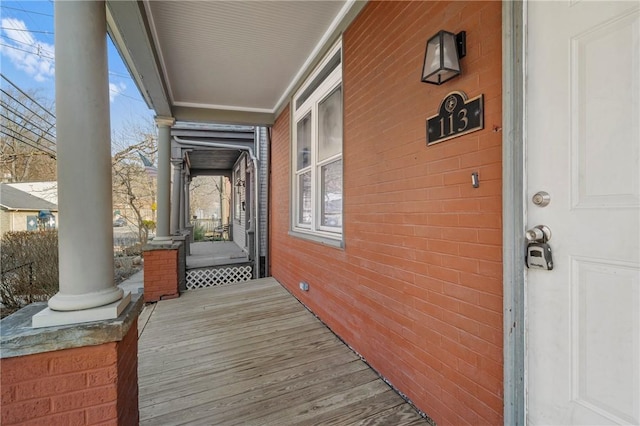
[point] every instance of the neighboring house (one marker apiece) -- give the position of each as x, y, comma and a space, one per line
19, 210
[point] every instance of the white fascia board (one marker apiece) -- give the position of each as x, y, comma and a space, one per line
127, 27
343, 19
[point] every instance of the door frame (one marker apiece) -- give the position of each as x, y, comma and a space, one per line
513, 209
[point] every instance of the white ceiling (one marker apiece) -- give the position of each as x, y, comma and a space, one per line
224, 58
236, 54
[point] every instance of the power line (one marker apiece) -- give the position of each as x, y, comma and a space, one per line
26, 30
21, 114
23, 135
24, 10
27, 51
51, 154
29, 97
25, 120
117, 74
28, 16
26, 107
51, 125
38, 53
126, 96
43, 56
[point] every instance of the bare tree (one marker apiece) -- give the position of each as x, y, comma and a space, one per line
27, 136
134, 191
207, 194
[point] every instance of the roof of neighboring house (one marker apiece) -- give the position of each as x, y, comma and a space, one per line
14, 199
47, 190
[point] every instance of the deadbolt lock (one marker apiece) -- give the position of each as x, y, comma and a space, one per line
541, 199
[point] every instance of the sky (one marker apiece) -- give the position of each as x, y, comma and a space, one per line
27, 58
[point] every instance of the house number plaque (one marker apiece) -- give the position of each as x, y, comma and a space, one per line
457, 116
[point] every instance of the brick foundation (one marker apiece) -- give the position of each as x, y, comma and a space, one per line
77, 386
161, 272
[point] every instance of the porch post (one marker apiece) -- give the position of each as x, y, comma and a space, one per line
187, 201
176, 186
181, 221
84, 158
164, 180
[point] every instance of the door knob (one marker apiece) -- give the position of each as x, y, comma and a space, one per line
538, 233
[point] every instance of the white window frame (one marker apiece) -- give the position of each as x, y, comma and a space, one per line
315, 230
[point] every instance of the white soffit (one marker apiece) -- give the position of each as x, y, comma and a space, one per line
236, 55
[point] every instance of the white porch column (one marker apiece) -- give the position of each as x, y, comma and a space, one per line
84, 158
187, 201
181, 220
175, 195
164, 180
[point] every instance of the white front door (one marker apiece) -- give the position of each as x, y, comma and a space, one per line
583, 148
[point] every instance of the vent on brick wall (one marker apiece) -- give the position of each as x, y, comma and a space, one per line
202, 278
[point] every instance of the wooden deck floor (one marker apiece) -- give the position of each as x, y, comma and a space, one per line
250, 354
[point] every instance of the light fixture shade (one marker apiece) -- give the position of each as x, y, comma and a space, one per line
441, 60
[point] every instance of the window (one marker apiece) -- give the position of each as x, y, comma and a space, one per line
317, 148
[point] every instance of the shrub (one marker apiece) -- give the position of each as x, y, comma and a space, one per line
29, 268
125, 266
198, 232
149, 224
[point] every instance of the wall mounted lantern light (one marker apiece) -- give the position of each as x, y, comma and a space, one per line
239, 185
442, 57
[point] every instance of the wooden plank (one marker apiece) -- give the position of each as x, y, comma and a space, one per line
357, 409
144, 317
250, 353
401, 415
332, 357
294, 412
203, 329
256, 377
226, 342
223, 398
220, 361
244, 408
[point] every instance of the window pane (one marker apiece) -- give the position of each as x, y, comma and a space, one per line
332, 194
330, 125
304, 142
304, 198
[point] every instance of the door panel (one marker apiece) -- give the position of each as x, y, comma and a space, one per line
583, 148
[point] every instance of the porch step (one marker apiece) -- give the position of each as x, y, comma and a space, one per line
218, 275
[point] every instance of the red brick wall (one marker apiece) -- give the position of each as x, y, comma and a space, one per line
128, 413
418, 288
79, 386
160, 274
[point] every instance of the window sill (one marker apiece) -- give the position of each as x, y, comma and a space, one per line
331, 242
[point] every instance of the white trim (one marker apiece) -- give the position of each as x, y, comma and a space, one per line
223, 107
127, 59
156, 44
326, 88
316, 51
513, 211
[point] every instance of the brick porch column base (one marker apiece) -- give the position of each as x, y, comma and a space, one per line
81, 374
162, 271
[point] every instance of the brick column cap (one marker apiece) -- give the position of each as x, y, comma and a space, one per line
18, 338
